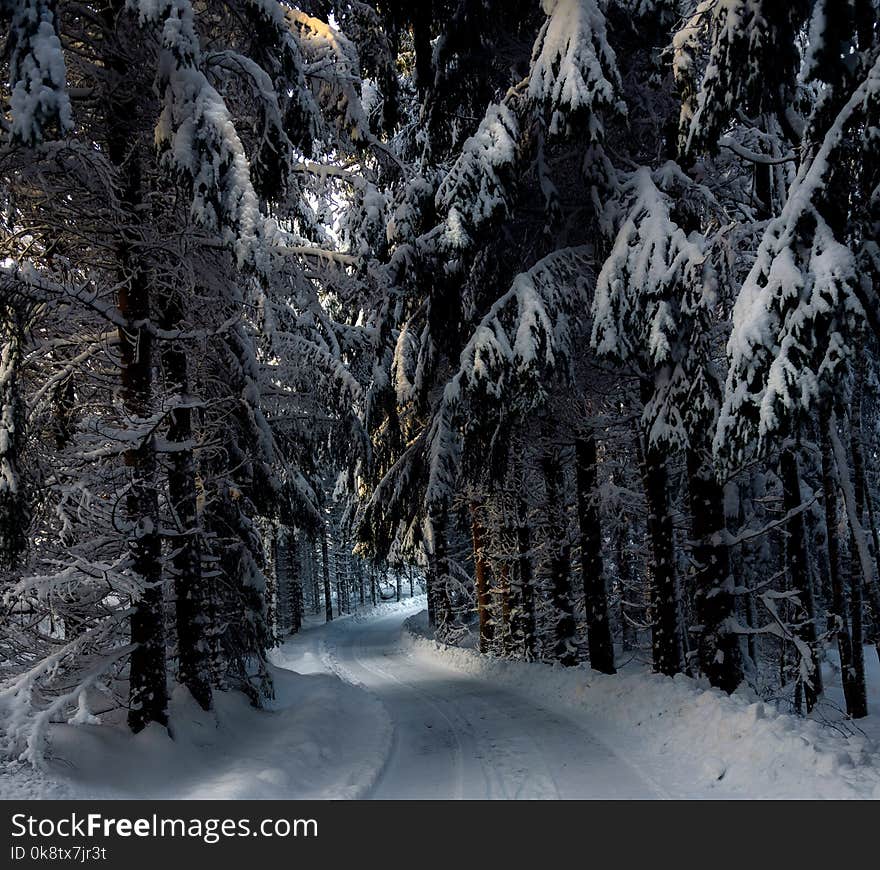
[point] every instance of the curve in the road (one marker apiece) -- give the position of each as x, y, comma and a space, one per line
456, 736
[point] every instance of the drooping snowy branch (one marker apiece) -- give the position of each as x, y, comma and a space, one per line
799, 307
752, 63
653, 297
574, 69
40, 103
476, 189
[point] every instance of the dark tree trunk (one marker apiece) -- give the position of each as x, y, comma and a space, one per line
373, 584
798, 569
340, 575
714, 600
740, 578
295, 580
481, 582
14, 508
505, 592
297, 605
523, 628
271, 596
398, 579
751, 622
854, 694
421, 29
860, 702
564, 629
626, 582
864, 584
325, 563
191, 596
439, 606
148, 691
599, 641
312, 575
666, 641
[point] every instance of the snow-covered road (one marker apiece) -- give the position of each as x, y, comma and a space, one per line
458, 736
367, 707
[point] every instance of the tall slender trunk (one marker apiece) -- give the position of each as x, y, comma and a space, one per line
339, 574
481, 583
740, 578
325, 564
271, 596
872, 589
523, 628
505, 592
421, 35
798, 570
190, 595
439, 605
867, 582
860, 703
564, 629
148, 691
599, 641
398, 578
295, 579
861, 568
373, 584
296, 588
626, 582
718, 648
853, 694
314, 576
666, 641
14, 509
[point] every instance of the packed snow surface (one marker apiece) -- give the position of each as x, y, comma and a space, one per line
319, 738
370, 706
684, 739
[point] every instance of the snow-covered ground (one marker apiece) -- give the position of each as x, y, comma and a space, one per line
687, 740
458, 735
368, 706
320, 738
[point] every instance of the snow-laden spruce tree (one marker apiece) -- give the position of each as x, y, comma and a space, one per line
39, 105
168, 240
752, 64
806, 302
519, 344
655, 300
14, 508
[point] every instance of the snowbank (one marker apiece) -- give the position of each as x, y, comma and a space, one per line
320, 738
687, 739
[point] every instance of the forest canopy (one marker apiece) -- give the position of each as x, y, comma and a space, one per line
567, 309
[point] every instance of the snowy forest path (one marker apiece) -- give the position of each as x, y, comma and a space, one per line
456, 736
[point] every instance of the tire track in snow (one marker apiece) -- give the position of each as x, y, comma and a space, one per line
455, 735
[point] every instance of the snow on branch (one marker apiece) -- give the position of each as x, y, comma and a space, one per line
798, 309
752, 63
633, 308
197, 133
526, 335
332, 64
574, 69
653, 300
39, 103
524, 342
477, 187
